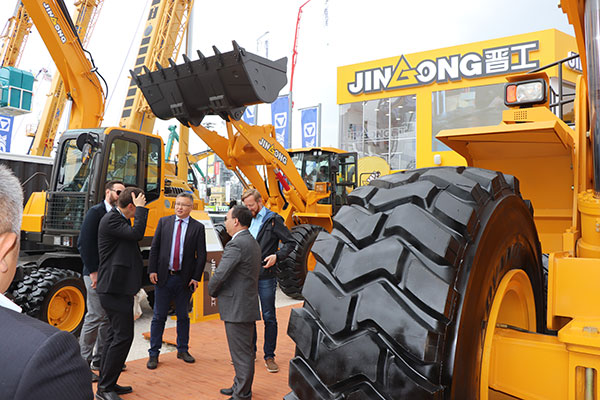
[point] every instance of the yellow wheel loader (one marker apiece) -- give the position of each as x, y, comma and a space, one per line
305, 186
477, 282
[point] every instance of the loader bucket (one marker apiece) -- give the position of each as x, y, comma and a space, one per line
223, 84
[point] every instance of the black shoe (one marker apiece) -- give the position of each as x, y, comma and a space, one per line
94, 366
123, 389
152, 362
95, 376
226, 391
186, 356
107, 396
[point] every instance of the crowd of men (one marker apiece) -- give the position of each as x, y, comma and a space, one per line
40, 362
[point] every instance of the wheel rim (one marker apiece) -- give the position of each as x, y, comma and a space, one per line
514, 305
66, 308
311, 261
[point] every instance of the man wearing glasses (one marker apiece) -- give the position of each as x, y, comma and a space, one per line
95, 325
176, 263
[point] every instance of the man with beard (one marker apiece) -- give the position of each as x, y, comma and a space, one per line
268, 229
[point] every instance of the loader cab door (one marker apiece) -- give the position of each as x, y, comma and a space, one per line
343, 178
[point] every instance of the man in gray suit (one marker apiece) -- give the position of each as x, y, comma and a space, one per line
235, 284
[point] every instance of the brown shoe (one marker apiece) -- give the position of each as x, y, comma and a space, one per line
271, 365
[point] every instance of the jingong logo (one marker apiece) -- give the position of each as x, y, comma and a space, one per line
54, 21
491, 61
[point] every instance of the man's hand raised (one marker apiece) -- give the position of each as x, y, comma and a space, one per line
139, 201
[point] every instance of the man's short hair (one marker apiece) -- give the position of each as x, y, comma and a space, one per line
11, 201
187, 196
251, 192
125, 196
110, 184
243, 214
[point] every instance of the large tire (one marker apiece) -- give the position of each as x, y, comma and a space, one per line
222, 234
53, 295
291, 272
397, 303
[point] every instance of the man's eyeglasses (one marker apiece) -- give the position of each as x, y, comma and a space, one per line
118, 192
183, 205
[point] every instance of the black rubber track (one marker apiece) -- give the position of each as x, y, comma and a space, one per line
396, 304
291, 272
222, 234
38, 283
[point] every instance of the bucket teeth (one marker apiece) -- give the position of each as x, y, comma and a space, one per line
223, 84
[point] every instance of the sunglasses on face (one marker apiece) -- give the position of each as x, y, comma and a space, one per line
118, 192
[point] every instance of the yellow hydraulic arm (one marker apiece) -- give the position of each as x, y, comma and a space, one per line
86, 16
81, 83
15, 36
163, 36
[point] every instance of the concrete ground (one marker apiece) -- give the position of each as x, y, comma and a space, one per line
139, 348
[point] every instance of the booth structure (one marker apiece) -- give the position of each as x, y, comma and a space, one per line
394, 107
16, 88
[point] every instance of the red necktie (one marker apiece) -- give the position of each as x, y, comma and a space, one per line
176, 250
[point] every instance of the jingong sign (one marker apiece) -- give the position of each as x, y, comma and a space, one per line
403, 73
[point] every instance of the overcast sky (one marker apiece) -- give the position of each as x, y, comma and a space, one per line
332, 33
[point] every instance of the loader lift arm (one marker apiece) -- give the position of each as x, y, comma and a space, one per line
224, 84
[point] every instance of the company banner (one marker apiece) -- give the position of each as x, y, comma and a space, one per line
309, 119
6, 125
280, 110
249, 116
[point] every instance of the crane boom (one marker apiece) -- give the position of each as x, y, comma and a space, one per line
15, 36
80, 81
165, 29
87, 12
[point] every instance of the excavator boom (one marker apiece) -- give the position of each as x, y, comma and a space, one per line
81, 83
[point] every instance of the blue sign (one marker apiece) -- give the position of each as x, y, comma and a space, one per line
6, 125
280, 110
249, 116
310, 128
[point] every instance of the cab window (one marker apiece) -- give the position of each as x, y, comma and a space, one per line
122, 161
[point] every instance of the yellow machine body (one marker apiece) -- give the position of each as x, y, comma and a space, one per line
553, 162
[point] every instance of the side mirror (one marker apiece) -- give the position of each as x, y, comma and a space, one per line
86, 143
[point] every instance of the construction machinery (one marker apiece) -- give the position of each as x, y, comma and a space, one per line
86, 15
477, 282
305, 186
48, 284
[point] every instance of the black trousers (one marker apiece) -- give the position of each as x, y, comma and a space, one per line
119, 309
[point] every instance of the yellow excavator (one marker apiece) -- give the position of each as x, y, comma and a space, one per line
477, 282
48, 284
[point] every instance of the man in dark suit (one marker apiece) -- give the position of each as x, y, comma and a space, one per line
95, 324
235, 285
37, 361
177, 258
119, 279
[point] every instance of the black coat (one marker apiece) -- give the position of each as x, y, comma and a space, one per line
272, 231
37, 361
194, 250
121, 262
88, 238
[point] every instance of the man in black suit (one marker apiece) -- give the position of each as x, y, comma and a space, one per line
235, 284
95, 324
177, 258
37, 361
119, 279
